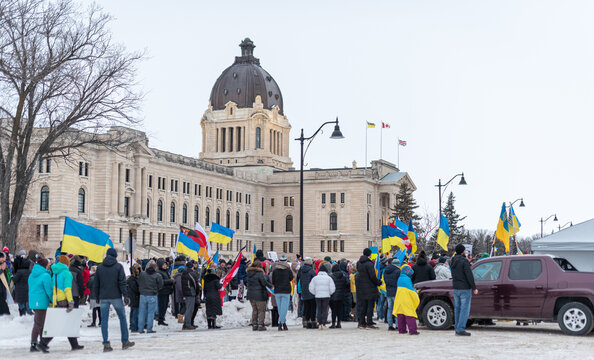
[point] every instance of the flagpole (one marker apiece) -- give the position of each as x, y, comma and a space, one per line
398, 154
365, 167
381, 136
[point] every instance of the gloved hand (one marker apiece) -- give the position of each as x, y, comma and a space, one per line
70, 307
126, 301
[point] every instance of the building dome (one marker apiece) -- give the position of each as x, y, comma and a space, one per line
243, 81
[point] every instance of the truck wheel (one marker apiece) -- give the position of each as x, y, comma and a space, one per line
575, 318
438, 315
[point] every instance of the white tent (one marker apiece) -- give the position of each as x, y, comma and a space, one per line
575, 243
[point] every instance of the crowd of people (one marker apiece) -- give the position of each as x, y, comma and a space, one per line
365, 291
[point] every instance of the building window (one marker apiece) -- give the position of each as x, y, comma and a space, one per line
151, 238
143, 236
45, 231
81, 201
335, 245
272, 202
228, 219
368, 221
271, 246
341, 245
258, 138
286, 202
127, 206
127, 175
148, 208
38, 233
44, 206
323, 198
86, 169
196, 214
172, 212
332, 198
290, 247
237, 220
171, 185
185, 214
262, 211
333, 221
329, 246
289, 223
247, 221
218, 216
207, 212
368, 199
292, 201
322, 245
120, 235
150, 181
160, 210
80, 168
271, 225
48, 165
342, 198
285, 247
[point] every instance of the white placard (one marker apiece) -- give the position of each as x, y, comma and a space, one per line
468, 248
59, 323
272, 255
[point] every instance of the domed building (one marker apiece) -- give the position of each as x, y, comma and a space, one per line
244, 124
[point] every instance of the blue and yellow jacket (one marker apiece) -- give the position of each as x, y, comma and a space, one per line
62, 282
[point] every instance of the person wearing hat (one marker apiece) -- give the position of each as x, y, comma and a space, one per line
342, 287
391, 275
212, 285
304, 276
62, 296
281, 280
442, 271
189, 292
366, 282
134, 294
406, 302
165, 292
110, 286
22, 269
149, 284
464, 287
4, 287
40, 296
322, 287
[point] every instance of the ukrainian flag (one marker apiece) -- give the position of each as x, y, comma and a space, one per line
392, 236
443, 234
187, 246
412, 236
407, 298
220, 234
370, 125
254, 253
85, 240
502, 232
514, 223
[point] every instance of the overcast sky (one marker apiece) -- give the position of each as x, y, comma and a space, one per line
501, 90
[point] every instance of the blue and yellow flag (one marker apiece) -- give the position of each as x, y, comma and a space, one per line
502, 232
220, 234
392, 236
370, 125
407, 298
85, 240
215, 258
254, 253
514, 223
187, 246
443, 234
412, 237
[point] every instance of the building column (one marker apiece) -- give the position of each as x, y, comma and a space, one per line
137, 191
114, 188
121, 188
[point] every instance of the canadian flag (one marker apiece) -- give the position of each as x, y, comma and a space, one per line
385, 125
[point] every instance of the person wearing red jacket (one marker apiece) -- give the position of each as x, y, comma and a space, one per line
86, 275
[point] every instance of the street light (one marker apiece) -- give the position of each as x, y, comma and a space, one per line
545, 220
521, 200
440, 185
567, 223
336, 134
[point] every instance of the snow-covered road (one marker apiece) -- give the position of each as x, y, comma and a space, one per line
236, 340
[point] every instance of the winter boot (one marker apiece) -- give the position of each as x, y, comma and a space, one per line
34, 346
209, 322
214, 324
43, 347
304, 323
255, 327
107, 348
261, 328
127, 345
333, 326
280, 327
338, 326
285, 327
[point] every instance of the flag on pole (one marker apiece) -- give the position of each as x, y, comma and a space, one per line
205, 250
220, 234
215, 259
392, 236
187, 245
370, 125
230, 275
514, 223
412, 237
254, 253
385, 125
502, 232
443, 234
401, 142
85, 240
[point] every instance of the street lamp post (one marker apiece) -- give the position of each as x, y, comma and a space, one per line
440, 185
545, 220
570, 223
336, 134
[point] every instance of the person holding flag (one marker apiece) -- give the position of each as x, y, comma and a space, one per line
406, 302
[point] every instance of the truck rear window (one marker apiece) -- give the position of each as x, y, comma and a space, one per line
564, 264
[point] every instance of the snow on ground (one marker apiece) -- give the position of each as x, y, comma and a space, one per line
236, 340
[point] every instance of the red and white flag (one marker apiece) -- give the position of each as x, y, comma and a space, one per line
401, 142
230, 275
385, 125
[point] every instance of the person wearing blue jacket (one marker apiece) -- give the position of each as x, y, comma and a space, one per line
391, 275
40, 296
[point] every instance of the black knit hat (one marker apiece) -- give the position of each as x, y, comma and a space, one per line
460, 248
367, 252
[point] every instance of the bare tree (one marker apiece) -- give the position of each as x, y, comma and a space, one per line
62, 84
427, 227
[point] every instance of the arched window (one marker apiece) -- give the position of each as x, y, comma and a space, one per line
160, 210
44, 206
172, 213
207, 222
81, 201
185, 214
218, 218
228, 219
258, 138
289, 223
247, 221
196, 213
237, 220
333, 221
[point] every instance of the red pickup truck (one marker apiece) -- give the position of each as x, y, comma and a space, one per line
522, 287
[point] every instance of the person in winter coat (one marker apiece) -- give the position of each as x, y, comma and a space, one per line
241, 277
4, 289
94, 299
422, 271
62, 296
281, 280
322, 287
195, 273
304, 276
212, 285
442, 271
178, 296
406, 302
134, 294
391, 275
165, 291
257, 294
366, 282
189, 286
86, 275
342, 285
21, 285
149, 284
464, 287
347, 302
77, 280
40, 296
